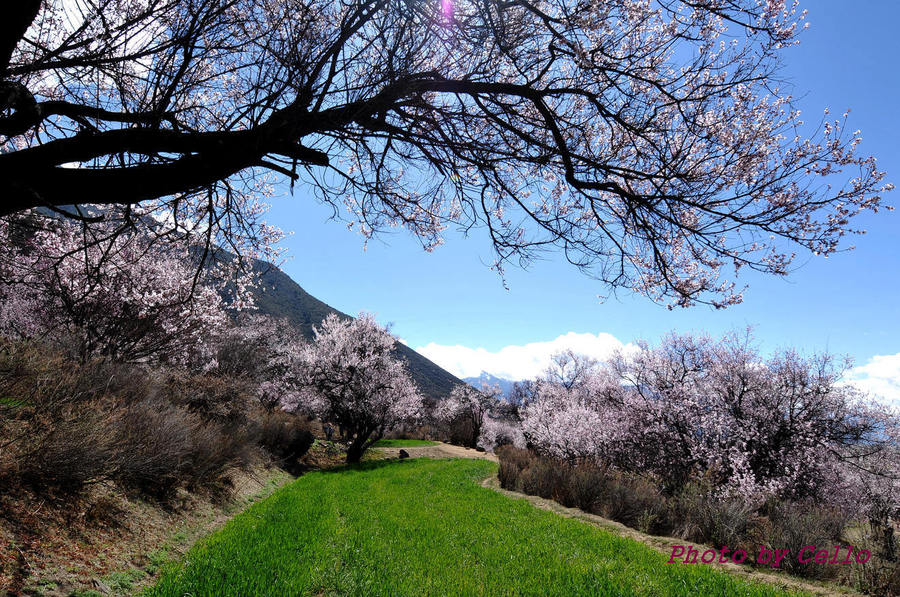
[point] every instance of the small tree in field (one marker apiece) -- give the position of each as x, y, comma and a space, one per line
471, 405
356, 381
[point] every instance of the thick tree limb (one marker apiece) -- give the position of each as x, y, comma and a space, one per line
15, 18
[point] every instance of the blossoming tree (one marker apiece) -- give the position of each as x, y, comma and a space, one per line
264, 351
120, 297
567, 415
356, 382
647, 140
472, 406
695, 409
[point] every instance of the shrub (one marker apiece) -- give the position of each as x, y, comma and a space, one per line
411, 431
215, 452
877, 576
697, 514
167, 448
71, 448
539, 479
67, 425
703, 517
285, 437
586, 487
793, 525
634, 501
223, 399
548, 479
512, 462
53, 429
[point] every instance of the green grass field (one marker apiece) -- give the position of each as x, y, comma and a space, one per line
403, 443
424, 527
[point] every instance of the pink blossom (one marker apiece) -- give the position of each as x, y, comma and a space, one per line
354, 380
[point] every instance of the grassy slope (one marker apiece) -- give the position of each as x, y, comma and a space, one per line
424, 527
403, 443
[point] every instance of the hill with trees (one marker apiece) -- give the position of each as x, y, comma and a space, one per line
280, 296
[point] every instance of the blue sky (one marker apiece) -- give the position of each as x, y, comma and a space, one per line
449, 303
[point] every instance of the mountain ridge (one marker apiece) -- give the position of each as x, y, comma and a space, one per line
488, 379
280, 296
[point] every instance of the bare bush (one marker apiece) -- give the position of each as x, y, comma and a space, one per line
512, 462
285, 437
794, 525
223, 399
586, 484
65, 426
704, 518
67, 449
169, 448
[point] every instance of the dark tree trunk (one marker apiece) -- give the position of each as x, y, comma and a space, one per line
476, 433
355, 449
884, 532
15, 18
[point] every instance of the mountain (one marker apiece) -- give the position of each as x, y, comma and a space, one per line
490, 380
279, 296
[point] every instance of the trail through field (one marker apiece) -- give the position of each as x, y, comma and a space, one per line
440, 450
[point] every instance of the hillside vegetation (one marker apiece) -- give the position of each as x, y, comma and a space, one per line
424, 527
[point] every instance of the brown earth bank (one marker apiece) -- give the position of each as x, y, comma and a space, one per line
107, 543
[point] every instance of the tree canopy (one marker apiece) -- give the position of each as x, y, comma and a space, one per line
352, 378
648, 140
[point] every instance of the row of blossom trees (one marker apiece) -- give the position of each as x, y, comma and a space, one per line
114, 296
128, 300
690, 408
717, 412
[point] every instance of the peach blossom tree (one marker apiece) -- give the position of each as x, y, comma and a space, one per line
472, 406
355, 380
118, 297
697, 410
649, 141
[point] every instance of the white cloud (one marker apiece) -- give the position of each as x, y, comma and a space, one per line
518, 362
880, 377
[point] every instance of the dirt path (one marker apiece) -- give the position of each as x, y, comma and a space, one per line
441, 450
661, 544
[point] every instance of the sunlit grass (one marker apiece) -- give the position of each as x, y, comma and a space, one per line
424, 527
